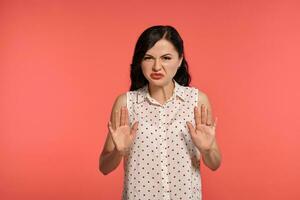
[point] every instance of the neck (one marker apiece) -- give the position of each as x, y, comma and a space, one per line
161, 93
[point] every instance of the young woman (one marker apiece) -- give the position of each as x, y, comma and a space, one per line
162, 127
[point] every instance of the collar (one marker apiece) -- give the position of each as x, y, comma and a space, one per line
143, 92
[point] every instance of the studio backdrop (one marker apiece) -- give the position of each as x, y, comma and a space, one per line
63, 63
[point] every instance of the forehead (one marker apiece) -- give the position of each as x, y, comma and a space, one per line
162, 46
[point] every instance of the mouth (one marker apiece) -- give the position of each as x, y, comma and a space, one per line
156, 76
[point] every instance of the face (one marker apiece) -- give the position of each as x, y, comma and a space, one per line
160, 63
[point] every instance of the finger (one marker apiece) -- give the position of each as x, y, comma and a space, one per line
203, 115
117, 118
110, 127
126, 117
122, 123
208, 117
197, 116
215, 122
113, 120
134, 129
191, 129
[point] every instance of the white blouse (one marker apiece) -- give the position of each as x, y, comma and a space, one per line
163, 162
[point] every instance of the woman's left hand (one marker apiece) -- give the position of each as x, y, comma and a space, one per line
203, 135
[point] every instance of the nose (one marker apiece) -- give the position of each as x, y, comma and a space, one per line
157, 65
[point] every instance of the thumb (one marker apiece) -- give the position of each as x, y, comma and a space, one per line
215, 122
111, 132
191, 129
109, 126
134, 129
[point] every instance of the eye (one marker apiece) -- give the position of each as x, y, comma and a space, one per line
167, 58
146, 58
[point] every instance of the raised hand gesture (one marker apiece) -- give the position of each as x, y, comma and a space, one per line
122, 134
203, 135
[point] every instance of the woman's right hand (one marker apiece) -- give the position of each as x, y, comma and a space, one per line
122, 134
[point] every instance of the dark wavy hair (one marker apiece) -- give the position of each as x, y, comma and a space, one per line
146, 41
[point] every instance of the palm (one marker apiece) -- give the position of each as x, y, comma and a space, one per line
122, 137
122, 134
203, 136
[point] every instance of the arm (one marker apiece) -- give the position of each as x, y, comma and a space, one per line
212, 157
109, 161
110, 157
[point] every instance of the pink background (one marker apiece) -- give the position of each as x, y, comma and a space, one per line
63, 63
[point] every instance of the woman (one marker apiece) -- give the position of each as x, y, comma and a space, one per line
162, 127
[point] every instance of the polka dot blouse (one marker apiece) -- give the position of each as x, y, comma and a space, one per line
163, 162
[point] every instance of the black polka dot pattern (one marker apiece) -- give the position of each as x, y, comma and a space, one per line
162, 163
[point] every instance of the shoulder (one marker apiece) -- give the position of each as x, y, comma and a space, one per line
202, 97
121, 100
196, 91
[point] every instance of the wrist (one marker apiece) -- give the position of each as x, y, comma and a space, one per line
205, 151
121, 153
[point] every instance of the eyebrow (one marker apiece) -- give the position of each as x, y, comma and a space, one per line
161, 56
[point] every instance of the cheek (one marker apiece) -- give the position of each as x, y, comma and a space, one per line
146, 65
145, 69
172, 67
171, 64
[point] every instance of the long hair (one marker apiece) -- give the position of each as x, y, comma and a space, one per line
146, 41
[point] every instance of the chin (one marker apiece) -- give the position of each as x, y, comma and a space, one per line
159, 83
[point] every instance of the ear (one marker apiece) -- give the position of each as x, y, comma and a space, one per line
180, 61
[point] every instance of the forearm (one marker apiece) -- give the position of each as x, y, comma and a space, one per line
109, 161
212, 158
